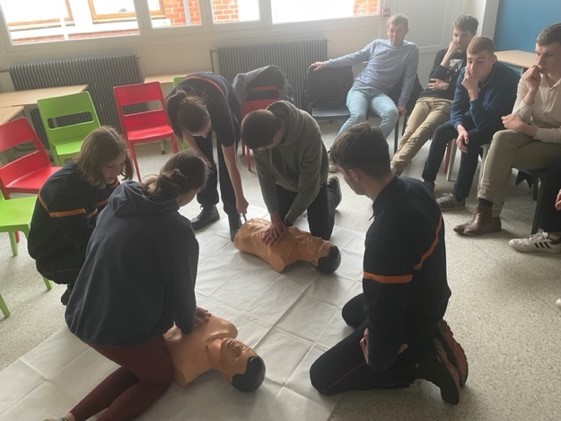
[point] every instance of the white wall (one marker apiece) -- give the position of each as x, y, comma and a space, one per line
173, 50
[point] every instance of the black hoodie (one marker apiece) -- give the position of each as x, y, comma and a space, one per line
139, 274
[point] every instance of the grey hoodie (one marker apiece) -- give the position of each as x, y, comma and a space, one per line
139, 274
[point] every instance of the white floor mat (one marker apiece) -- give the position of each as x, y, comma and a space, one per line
288, 318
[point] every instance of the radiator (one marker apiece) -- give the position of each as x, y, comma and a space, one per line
294, 57
99, 73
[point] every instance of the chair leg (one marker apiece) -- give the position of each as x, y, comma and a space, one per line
132, 154
4, 307
447, 157
538, 192
13, 243
395, 136
163, 146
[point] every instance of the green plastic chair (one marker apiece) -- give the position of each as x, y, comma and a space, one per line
15, 215
177, 80
67, 120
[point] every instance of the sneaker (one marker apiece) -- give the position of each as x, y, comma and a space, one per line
208, 215
454, 350
66, 296
537, 242
334, 188
435, 367
449, 202
332, 167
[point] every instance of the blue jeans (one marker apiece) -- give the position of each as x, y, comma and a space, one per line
360, 98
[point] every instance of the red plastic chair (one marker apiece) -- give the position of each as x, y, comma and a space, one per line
26, 173
258, 98
143, 126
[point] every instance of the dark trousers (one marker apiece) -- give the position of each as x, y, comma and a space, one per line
468, 161
63, 269
145, 374
550, 218
209, 194
321, 212
343, 368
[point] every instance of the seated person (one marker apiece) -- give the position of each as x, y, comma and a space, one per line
212, 346
296, 246
532, 139
389, 63
69, 203
485, 91
549, 239
433, 106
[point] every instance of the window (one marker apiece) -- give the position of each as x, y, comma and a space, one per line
121, 9
285, 11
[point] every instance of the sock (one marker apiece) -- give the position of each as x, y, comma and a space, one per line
555, 237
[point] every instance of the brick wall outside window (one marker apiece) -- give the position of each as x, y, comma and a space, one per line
365, 7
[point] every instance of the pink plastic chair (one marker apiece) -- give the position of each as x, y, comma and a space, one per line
144, 126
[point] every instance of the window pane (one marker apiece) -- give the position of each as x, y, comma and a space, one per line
228, 11
34, 21
285, 11
175, 13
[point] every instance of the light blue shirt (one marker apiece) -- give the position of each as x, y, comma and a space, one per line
386, 66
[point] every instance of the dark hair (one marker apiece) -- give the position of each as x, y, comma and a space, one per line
550, 35
466, 23
480, 44
258, 128
183, 172
362, 147
253, 376
186, 111
330, 263
102, 145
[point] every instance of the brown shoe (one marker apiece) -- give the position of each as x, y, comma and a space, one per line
483, 222
460, 228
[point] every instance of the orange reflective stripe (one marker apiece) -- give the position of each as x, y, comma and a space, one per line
63, 214
393, 279
432, 246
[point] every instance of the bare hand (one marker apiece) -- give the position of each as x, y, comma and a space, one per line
241, 205
318, 65
558, 201
513, 122
364, 345
276, 231
201, 316
462, 140
402, 110
533, 77
438, 84
470, 82
453, 48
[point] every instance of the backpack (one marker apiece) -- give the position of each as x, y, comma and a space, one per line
327, 88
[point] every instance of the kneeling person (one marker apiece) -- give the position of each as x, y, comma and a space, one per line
292, 166
399, 335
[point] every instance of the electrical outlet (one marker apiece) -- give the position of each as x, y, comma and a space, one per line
386, 13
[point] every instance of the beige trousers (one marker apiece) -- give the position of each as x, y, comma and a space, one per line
510, 149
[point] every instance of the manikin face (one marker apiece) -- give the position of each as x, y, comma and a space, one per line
480, 64
462, 37
396, 34
233, 357
548, 58
112, 169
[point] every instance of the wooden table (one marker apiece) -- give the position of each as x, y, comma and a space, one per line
168, 78
519, 58
7, 113
29, 97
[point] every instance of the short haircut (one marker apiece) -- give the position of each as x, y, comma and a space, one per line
183, 172
253, 376
362, 147
480, 44
101, 146
399, 19
258, 128
466, 23
550, 35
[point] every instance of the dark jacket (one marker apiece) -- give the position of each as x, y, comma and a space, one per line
139, 274
447, 74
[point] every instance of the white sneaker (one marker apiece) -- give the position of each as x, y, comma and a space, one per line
537, 242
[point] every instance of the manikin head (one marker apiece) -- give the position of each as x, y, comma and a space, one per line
240, 365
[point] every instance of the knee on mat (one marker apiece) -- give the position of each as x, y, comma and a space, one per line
318, 380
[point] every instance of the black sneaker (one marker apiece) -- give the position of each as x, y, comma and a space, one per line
208, 215
435, 367
454, 350
334, 188
66, 296
235, 225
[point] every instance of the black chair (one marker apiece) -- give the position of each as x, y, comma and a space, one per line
325, 94
536, 180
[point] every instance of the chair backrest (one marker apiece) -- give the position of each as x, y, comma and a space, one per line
68, 118
177, 80
140, 105
260, 97
415, 92
327, 88
14, 133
